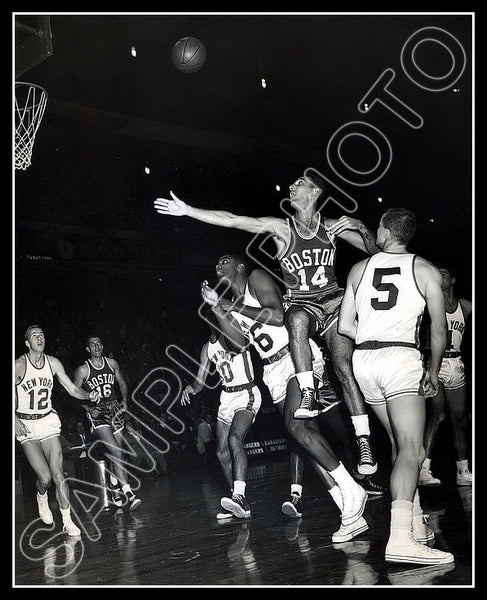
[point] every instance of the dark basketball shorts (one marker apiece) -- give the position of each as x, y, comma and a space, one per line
109, 414
324, 309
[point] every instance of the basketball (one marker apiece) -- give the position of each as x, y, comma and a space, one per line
188, 55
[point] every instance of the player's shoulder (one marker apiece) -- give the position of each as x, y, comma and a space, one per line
259, 277
82, 368
466, 306
261, 280
55, 363
423, 265
20, 360
20, 364
359, 267
328, 221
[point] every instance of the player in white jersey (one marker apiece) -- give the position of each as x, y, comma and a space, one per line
452, 391
240, 401
256, 314
37, 425
381, 311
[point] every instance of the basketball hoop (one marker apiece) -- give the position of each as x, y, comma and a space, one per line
30, 103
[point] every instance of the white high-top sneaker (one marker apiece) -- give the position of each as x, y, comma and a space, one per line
44, 510
426, 477
68, 526
402, 548
422, 532
354, 500
464, 477
346, 533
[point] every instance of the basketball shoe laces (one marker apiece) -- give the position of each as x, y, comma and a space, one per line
295, 500
307, 397
366, 456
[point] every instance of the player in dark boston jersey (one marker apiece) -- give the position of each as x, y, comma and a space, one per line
104, 374
306, 250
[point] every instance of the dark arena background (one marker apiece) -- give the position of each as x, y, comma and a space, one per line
382, 106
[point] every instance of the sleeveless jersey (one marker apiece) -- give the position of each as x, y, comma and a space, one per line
101, 379
388, 301
34, 391
233, 369
456, 326
267, 339
308, 263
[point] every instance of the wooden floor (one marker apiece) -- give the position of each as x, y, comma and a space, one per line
173, 538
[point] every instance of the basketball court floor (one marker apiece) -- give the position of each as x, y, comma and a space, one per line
173, 538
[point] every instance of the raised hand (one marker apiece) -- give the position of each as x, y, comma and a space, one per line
174, 207
342, 225
209, 295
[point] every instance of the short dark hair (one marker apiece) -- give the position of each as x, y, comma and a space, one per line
315, 177
241, 261
401, 222
29, 329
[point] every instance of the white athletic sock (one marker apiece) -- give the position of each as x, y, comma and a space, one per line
65, 513
305, 379
239, 488
462, 466
361, 424
417, 510
126, 488
426, 464
296, 488
113, 480
401, 517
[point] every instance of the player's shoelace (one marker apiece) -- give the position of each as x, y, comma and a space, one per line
307, 397
366, 456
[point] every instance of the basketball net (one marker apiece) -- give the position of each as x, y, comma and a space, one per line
30, 104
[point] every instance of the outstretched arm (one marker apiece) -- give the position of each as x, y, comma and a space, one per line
177, 208
80, 376
72, 389
354, 232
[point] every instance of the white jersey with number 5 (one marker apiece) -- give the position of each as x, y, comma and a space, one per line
388, 301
